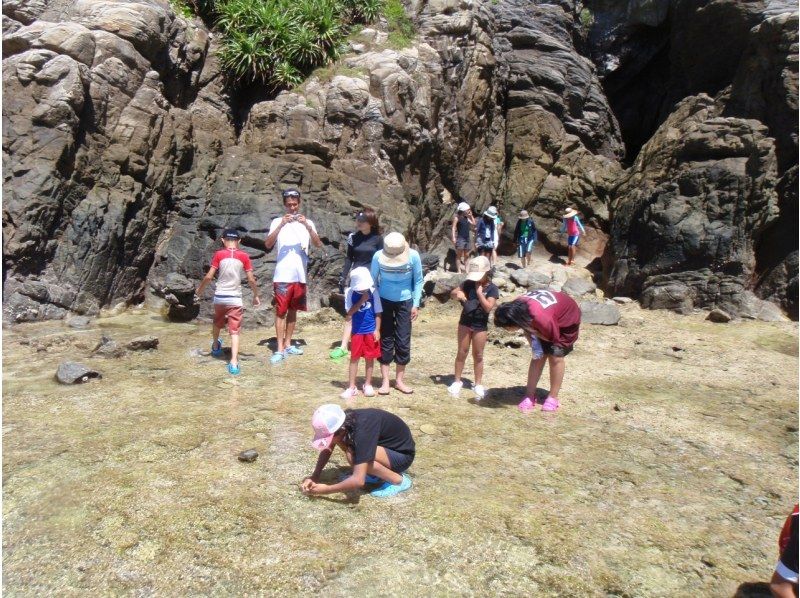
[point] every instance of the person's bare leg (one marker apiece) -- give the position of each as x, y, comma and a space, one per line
291, 319
781, 588
369, 367
382, 467
462, 350
347, 330
557, 367
280, 331
478, 344
215, 330
235, 349
353, 373
399, 384
385, 388
571, 255
534, 373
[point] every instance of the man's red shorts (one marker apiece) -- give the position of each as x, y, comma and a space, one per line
232, 314
364, 345
288, 295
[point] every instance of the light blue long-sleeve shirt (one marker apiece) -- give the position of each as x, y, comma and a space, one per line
399, 283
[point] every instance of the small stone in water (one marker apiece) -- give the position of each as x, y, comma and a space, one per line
248, 456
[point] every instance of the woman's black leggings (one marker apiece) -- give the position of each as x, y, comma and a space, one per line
396, 331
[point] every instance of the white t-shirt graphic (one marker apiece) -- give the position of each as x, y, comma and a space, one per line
291, 247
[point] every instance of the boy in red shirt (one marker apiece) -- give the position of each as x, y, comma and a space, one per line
550, 320
231, 263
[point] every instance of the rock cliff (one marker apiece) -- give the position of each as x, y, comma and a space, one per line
125, 152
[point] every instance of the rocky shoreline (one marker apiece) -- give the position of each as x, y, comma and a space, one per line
125, 151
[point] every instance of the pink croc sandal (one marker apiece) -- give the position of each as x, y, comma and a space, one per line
526, 405
550, 404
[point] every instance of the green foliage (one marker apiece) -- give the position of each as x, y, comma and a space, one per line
278, 42
586, 17
401, 28
182, 8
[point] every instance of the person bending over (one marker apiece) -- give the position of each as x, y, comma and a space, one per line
375, 442
553, 318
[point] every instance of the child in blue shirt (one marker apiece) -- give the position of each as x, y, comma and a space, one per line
364, 309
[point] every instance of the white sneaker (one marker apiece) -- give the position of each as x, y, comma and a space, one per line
455, 388
369, 391
350, 393
480, 392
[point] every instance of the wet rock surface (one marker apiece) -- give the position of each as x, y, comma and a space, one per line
162, 429
248, 456
70, 372
142, 343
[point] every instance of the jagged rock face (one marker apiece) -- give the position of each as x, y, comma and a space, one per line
707, 214
700, 195
125, 154
89, 149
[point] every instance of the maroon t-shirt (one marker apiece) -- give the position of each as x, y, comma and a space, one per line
555, 316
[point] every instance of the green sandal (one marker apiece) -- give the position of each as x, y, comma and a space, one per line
338, 353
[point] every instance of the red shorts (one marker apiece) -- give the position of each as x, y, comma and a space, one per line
364, 345
232, 314
288, 295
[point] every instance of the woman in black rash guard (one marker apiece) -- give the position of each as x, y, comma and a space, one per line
376, 443
361, 246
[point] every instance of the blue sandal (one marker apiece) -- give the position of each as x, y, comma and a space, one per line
387, 490
294, 350
233, 370
218, 351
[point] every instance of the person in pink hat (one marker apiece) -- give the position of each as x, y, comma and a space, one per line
378, 445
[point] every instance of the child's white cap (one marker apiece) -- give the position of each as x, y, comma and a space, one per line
361, 280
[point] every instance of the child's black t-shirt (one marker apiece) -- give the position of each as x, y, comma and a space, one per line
376, 427
473, 315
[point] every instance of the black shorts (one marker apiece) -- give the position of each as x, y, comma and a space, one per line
400, 461
555, 350
462, 244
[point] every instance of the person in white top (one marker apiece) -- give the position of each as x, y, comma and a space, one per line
291, 234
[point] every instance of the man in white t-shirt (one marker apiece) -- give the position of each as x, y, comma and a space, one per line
291, 234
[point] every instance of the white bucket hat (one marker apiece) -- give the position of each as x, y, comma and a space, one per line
361, 280
491, 211
570, 213
463, 206
395, 250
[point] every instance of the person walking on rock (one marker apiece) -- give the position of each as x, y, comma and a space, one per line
478, 296
397, 270
291, 233
231, 263
525, 237
574, 229
498, 231
485, 236
550, 321
361, 246
378, 446
463, 224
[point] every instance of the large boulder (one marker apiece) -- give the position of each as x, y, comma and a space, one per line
692, 210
